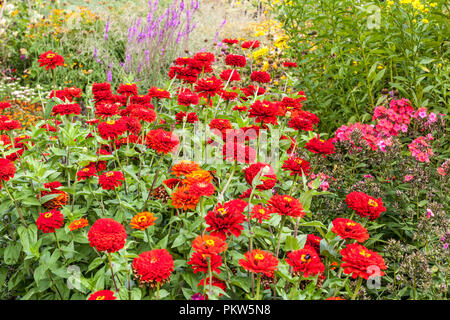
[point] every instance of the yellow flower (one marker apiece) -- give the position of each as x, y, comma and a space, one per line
425, 21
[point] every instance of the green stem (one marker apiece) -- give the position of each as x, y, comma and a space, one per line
112, 272
258, 284
358, 286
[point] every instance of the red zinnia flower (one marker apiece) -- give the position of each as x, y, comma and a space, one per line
144, 114
303, 120
106, 110
286, 205
288, 64
349, 229
220, 124
235, 60
238, 152
4, 105
110, 180
87, 172
158, 93
259, 212
108, 235
184, 167
365, 205
313, 241
50, 59
187, 97
200, 189
209, 245
259, 261
264, 112
128, 89
102, 295
215, 282
153, 267
230, 41
361, 262
267, 177
199, 262
7, 169
260, 77
250, 44
319, 146
6, 124
191, 117
226, 219
306, 262
209, 87
111, 129
66, 109
230, 75
162, 141
48, 222
296, 165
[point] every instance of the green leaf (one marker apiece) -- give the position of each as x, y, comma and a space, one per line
291, 244
12, 253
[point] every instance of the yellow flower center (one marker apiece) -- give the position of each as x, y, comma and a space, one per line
85, 169
305, 257
50, 56
48, 215
110, 122
299, 161
222, 211
109, 174
142, 218
372, 203
364, 253
100, 298
210, 242
261, 211
259, 256
287, 199
153, 260
351, 224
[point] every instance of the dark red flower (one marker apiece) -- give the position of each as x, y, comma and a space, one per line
200, 189
4, 105
259, 213
191, 117
144, 114
226, 219
87, 172
158, 93
106, 110
264, 112
108, 235
230, 41
288, 64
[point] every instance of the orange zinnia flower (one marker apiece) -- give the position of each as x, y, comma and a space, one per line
143, 220
78, 224
183, 199
209, 245
198, 176
185, 167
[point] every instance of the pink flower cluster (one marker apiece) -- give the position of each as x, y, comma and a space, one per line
426, 118
324, 185
394, 119
368, 133
421, 149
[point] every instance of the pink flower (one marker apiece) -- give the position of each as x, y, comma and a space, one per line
429, 213
408, 177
